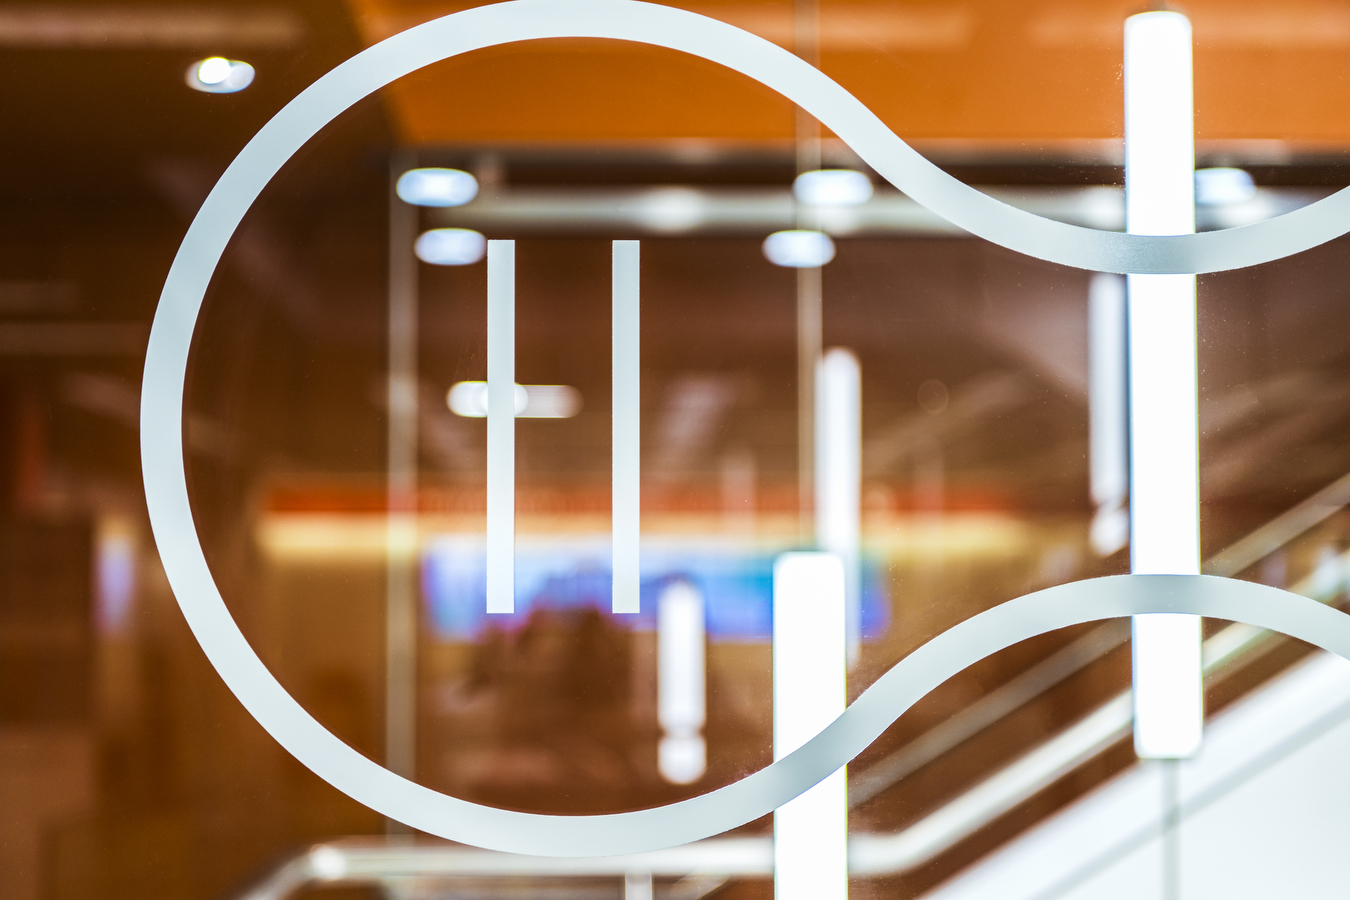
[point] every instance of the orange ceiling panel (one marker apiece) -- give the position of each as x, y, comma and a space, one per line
990, 70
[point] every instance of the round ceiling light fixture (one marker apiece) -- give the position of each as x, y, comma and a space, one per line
832, 187
218, 75
1222, 185
799, 249
450, 247
436, 187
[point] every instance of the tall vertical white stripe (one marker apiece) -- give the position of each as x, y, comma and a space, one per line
627, 409
681, 683
1164, 428
1108, 413
811, 831
501, 427
838, 481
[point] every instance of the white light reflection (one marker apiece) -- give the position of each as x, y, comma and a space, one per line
218, 75
832, 187
436, 187
672, 210
1221, 186
450, 247
327, 864
1164, 430
681, 683
839, 477
1108, 414
532, 401
799, 249
810, 833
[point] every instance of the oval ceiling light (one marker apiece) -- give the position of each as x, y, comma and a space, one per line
672, 210
450, 247
218, 75
532, 401
436, 187
1223, 185
832, 187
799, 249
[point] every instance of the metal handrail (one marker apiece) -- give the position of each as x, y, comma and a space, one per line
703, 866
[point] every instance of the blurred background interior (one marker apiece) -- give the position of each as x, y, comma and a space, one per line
127, 770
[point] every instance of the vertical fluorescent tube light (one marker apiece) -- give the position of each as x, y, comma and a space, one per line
1108, 414
501, 427
626, 358
1164, 432
810, 833
838, 481
681, 683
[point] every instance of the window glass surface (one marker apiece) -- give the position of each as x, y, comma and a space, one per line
821, 363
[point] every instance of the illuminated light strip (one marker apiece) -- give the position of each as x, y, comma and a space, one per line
838, 481
170, 508
681, 683
501, 427
810, 832
1164, 427
1108, 414
627, 406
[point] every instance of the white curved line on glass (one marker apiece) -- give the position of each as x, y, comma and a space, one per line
758, 794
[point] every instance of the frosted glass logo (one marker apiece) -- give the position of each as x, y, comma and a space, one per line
910, 679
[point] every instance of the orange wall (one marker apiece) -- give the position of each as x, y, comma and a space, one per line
982, 69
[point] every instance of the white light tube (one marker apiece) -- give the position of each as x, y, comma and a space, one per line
681, 689
501, 427
838, 480
533, 401
1108, 414
811, 831
1164, 432
627, 407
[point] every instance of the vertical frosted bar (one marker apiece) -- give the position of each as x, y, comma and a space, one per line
627, 445
501, 427
681, 685
811, 831
1108, 414
1164, 430
838, 481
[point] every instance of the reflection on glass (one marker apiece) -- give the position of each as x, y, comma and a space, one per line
218, 75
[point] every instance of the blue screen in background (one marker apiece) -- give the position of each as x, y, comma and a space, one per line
737, 585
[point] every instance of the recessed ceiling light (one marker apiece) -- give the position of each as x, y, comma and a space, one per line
799, 249
450, 247
1222, 185
832, 187
436, 187
218, 75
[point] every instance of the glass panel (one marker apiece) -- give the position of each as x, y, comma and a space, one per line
568, 418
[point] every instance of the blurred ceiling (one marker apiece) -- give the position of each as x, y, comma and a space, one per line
976, 70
